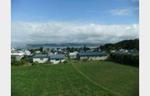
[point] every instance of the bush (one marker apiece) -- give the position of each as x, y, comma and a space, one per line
35, 63
124, 58
15, 62
85, 60
65, 62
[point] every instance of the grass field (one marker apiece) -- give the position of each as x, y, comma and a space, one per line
94, 78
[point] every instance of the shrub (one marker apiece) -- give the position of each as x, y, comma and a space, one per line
65, 62
124, 58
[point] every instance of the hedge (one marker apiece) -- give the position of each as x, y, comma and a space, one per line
125, 58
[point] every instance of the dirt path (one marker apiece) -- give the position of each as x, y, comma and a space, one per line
95, 83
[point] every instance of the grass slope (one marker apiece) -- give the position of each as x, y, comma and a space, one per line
119, 78
75, 79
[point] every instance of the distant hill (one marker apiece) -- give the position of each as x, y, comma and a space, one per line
62, 45
125, 44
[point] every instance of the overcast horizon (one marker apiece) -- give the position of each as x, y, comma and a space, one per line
74, 21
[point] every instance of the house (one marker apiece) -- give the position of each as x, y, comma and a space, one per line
40, 58
57, 58
17, 54
37, 52
53, 58
13, 49
73, 55
112, 51
92, 55
27, 52
123, 50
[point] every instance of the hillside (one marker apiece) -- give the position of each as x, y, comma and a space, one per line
96, 78
125, 44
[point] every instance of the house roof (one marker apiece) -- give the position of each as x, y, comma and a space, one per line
52, 56
17, 53
57, 56
41, 56
92, 54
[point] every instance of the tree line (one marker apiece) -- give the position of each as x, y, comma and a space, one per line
124, 58
125, 44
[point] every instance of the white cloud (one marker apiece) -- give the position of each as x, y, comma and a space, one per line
121, 12
124, 11
67, 32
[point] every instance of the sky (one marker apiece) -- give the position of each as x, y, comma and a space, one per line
74, 21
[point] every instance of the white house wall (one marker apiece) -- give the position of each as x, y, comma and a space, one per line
19, 57
57, 61
40, 60
73, 56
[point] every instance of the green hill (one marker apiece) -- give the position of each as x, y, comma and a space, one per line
125, 44
93, 78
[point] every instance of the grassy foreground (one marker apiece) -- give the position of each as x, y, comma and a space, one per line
94, 78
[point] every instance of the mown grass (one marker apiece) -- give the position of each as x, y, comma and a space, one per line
119, 78
98, 79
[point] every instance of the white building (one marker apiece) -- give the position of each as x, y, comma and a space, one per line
57, 58
18, 55
13, 49
112, 51
73, 55
27, 52
40, 58
123, 50
53, 58
37, 52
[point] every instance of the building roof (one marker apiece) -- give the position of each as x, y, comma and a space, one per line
41, 56
52, 56
57, 56
17, 53
92, 54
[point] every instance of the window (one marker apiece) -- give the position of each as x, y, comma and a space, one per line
57, 59
41, 58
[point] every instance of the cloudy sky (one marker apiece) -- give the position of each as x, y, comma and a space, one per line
72, 21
